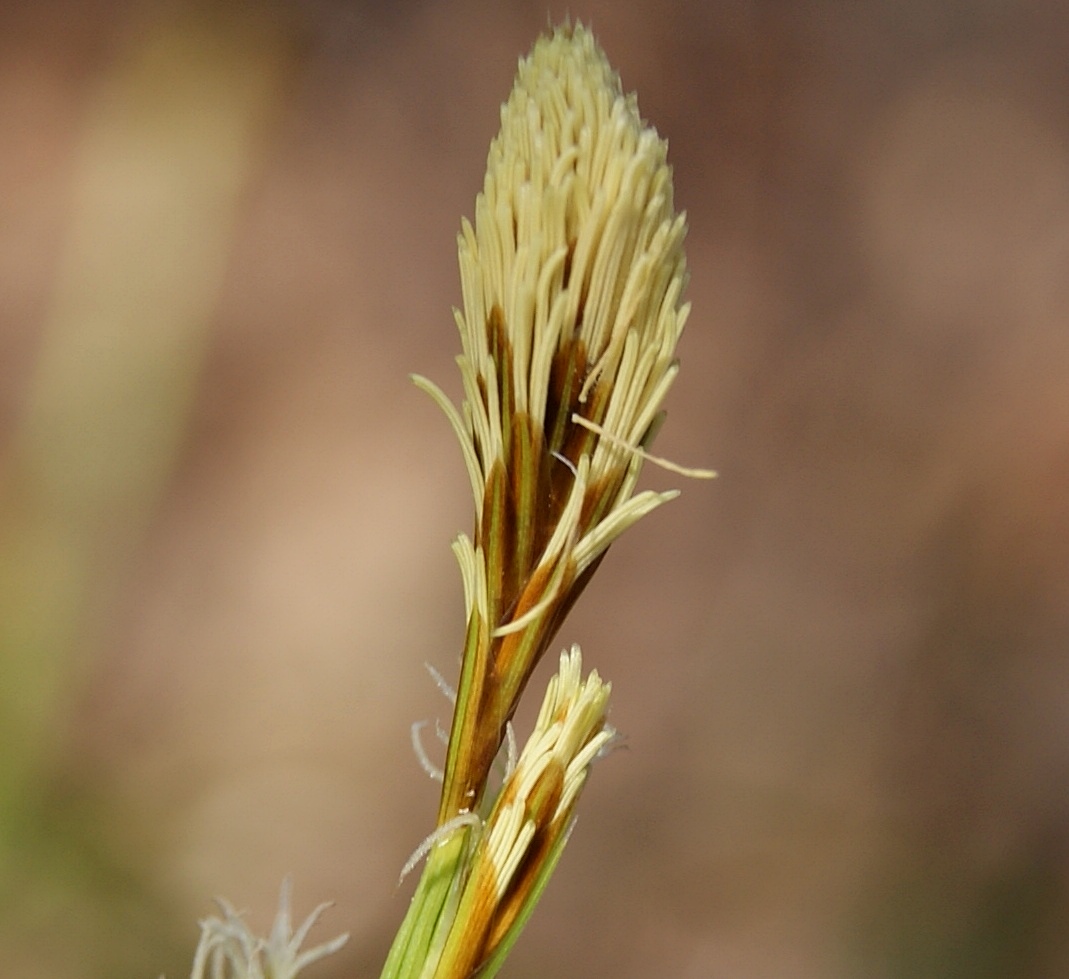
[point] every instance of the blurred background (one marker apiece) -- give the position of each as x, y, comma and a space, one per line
227, 234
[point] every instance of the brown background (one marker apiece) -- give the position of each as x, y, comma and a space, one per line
227, 233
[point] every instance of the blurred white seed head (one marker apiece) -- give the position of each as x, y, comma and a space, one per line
229, 950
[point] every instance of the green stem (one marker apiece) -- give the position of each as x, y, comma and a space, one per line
421, 937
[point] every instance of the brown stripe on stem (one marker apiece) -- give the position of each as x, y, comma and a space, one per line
500, 348
531, 529
512, 903
465, 730
566, 377
466, 946
496, 537
517, 653
545, 795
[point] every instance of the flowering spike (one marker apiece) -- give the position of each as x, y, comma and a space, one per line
530, 819
572, 277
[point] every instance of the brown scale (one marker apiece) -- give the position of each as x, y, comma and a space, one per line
524, 498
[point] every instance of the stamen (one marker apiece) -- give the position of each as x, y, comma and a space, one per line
642, 453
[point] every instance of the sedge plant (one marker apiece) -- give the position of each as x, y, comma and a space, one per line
572, 279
